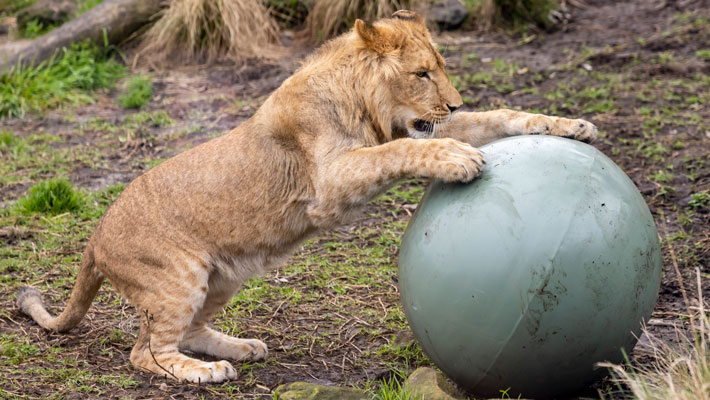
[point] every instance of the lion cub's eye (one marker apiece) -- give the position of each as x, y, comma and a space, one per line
422, 74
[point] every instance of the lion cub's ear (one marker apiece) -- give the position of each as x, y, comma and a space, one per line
408, 15
377, 38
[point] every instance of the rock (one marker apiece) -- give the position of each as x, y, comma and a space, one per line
404, 339
311, 391
425, 383
448, 14
47, 12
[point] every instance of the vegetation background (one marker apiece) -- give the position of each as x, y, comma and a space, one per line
75, 128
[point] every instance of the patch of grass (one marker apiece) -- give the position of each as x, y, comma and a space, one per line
10, 143
34, 29
157, 119
456, 82
63, 79
82, 380
393, 388
15, 350
138, 92
662, 176
54, 196
700, 200
703, 54
404, 358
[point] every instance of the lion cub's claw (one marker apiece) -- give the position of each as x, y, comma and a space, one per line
259, 351
455, 161
578, 129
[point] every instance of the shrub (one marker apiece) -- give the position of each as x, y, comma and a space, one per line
138, 92
207, 30
54, 196
328, 18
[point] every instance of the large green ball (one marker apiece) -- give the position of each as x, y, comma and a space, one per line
545, 265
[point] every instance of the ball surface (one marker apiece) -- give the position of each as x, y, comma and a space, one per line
544, 265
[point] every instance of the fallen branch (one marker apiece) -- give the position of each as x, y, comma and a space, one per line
113, 19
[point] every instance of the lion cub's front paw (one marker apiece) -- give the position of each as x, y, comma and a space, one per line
453, 161
577, 129
258, 351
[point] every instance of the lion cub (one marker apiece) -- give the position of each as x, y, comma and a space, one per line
368, 108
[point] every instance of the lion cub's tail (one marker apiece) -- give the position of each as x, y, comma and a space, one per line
88, 282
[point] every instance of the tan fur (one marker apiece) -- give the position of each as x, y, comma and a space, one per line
182, 238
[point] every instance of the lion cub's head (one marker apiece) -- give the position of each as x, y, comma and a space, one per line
421, 96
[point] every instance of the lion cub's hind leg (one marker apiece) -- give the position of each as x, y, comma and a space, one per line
202, 339
166, 315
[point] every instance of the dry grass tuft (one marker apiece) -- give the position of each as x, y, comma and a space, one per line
328, 18
208, 30
680, 372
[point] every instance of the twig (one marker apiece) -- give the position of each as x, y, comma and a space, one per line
147, 321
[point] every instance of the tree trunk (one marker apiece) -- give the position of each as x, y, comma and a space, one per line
118, 18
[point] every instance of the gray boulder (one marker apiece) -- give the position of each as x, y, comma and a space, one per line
447, 14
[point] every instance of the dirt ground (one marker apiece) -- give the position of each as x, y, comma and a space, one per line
636, 68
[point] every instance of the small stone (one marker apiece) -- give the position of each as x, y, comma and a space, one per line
403, 339
163, 386
448, 14
311, 391
425, 383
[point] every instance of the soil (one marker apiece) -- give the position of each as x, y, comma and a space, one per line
621, 40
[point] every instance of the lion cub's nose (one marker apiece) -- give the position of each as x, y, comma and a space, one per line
452, 108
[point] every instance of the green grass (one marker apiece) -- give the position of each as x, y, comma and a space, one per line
16, 350
700, 200
404, 359
138, 92
393, 388
66, 79
52, 197
662, 176
34, 29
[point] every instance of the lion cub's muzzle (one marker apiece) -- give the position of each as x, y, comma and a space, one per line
433, 118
